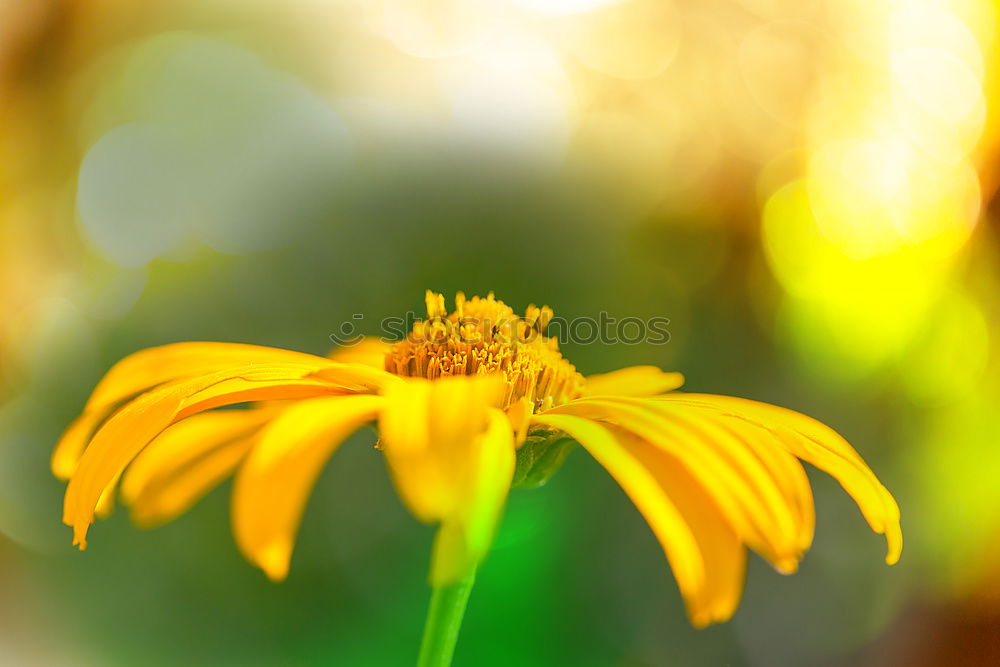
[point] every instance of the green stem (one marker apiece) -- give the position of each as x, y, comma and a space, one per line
444, 619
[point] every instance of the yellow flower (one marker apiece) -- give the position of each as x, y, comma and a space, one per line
471, 402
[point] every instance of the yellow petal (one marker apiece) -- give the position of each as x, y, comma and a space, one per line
152, 367
672, 531
366, 350
464, 539
186, 461
404, 434
823, 447
68, 450
130, 429
451, 455
273, 484
357, 377
244, 384
632, 381
519, 413
156, 365
746, 493
788, 473
106, 503
426, 431
721, 549
731, 444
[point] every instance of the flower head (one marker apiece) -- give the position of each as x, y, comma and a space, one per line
472, 402
485, 337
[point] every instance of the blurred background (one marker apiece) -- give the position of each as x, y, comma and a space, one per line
806, 188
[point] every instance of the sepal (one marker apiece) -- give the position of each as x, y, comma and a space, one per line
541, 456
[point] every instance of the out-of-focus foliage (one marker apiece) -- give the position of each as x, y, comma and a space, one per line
804, 188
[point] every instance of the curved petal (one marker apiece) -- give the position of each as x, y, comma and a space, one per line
730, 444
150, 368
426, 430
745, 491
668, 524
632, 381
186, 461
721, 548
156, 365
244, 384
73, 441
821, 446
273, 484
787, 472
404, 435
464, 540
451, 455
106, 503
130, 429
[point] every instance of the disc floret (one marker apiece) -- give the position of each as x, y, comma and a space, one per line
483, 336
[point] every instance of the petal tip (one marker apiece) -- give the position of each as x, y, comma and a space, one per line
61, 469
895, 547
787, 565
700, 620
276, 575
80, 542
716, 613
274, 560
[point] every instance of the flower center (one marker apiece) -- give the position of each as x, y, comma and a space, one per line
485, 337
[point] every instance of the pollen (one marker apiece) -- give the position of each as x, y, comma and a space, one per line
483, 336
